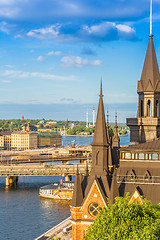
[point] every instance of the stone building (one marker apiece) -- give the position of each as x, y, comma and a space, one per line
115, 171
146, 126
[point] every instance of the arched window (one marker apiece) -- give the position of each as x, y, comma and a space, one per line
149, 108
157, 108
97, 157
141, 109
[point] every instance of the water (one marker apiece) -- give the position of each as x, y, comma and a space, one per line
23, 214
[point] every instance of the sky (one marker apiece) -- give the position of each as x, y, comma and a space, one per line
57, 51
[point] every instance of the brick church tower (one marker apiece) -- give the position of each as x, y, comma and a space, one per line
92, 193
146, 126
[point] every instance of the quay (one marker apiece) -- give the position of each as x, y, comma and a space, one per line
60, 231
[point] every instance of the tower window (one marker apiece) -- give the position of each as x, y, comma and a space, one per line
157, 108
97, 158
141, 109
149, 108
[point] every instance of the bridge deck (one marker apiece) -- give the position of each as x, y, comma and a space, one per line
40, 170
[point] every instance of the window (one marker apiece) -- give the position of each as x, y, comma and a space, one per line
94, 209
149, 108
141, 109
132, 155
157, 108
128, 155
146, 156
141, 155
155, 156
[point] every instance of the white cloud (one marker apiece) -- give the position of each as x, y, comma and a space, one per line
40, 59
45, 33
23, 75
76, 61
5, 27
104, 31
56, 53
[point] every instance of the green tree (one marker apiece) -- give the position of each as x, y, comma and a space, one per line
124, 221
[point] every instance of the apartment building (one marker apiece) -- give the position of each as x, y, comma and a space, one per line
49, 139
23, 140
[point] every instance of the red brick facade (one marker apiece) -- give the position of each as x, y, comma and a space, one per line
81, 218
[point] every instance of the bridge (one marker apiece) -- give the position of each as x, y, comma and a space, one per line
12, 172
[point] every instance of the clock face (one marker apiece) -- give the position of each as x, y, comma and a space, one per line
94, 209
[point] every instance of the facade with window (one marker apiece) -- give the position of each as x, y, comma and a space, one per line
146, 126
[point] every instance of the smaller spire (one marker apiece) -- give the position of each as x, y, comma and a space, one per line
108, 137
115, 139
77, 192
101, 94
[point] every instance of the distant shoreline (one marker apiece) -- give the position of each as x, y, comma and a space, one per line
77, 135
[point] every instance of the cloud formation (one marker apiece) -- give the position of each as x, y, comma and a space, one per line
22, 75
56, 53
76, 61
40, 59
103, 31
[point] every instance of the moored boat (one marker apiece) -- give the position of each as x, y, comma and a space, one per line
62, 191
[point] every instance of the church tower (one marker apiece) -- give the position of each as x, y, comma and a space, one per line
147, 124
92, 193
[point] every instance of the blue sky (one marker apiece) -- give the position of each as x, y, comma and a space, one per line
56, 51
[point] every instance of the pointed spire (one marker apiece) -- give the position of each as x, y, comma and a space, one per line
77, 192
150, 73
101, 95
100, 137
108, 137
115, 139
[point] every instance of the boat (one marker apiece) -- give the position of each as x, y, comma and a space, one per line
63, 191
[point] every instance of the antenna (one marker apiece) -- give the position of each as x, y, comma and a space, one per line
150, 18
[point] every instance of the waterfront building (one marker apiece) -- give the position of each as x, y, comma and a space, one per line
1, 142
23, 140
49, 139
116, 171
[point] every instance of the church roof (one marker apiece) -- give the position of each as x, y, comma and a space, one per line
153, 145
100, 136
150, 79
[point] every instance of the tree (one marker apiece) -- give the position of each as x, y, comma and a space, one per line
124, 221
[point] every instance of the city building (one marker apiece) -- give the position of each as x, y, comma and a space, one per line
28, 127
49, 139
146, 126
23, 140
92, 193
116, 171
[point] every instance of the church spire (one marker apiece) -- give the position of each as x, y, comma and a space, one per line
100, 143
115, 139
150, 77
100, 137
77, 192
150, 73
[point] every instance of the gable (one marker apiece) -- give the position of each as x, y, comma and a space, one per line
95, 195
136, 196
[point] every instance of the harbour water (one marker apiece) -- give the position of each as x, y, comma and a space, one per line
23, 214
